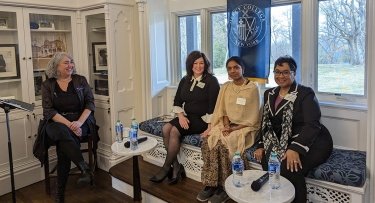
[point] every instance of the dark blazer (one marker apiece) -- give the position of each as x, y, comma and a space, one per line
85, 96
306, 126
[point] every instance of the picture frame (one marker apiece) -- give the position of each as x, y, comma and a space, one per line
3, 23
46, 25
9, 61
99, 55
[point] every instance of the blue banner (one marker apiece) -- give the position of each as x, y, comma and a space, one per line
249, 34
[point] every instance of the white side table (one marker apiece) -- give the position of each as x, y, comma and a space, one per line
144, 147
245, 194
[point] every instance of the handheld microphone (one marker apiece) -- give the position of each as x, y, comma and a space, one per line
140, 140
258, 183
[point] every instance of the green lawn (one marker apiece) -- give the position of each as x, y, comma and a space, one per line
339, 78
333, 78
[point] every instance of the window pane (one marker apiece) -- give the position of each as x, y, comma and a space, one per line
189, 38
219, 45
341, 47
285, 36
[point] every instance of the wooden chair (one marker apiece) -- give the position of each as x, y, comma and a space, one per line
92, 162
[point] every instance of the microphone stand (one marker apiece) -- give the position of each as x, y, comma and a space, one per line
7, 106
6, 110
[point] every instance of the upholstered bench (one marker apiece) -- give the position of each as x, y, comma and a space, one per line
341, 179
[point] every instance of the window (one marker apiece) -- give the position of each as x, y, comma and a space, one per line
334, 64
285, 36
219, 45
189, 38
341, 47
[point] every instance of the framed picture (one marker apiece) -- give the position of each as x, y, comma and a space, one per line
3, 23
9, 61
99, 53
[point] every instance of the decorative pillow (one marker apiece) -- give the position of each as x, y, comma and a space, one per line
154, 126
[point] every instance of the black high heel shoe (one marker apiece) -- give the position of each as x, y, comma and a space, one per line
156, 179
181, 174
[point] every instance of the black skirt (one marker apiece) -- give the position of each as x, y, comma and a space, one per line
196, 125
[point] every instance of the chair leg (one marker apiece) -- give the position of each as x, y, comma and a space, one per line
46, 175
90, 143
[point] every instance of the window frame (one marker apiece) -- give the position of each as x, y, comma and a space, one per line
309, 50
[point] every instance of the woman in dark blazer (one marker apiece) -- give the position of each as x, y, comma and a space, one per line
291, 127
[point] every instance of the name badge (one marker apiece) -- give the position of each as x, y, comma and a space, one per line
241, 101
290, 97
201, 85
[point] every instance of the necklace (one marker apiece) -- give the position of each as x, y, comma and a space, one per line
237, 88
65, 80
243, 83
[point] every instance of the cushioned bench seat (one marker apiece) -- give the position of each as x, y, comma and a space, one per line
154, 126
341, 179
344, 167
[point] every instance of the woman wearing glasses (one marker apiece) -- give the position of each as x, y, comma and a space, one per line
291, 127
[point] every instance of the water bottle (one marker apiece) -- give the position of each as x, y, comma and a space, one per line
237, 169
274, 171
119, 131
133, 135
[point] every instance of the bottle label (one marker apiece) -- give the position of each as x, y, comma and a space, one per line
237, 166
273, 168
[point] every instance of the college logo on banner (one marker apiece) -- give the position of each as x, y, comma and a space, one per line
249, 35
247, 24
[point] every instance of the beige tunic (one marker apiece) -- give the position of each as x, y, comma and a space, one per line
242, 106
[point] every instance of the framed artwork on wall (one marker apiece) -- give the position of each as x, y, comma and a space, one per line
9, 61
99, 55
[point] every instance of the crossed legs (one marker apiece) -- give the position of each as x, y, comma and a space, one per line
172, 143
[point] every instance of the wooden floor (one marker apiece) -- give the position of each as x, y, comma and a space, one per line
102, 192
183, 192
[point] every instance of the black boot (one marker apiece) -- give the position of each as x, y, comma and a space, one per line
63, 168
60, 190
86, 176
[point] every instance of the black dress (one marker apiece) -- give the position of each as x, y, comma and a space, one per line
196, 103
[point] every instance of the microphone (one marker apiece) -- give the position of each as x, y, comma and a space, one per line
140, 140
258, 183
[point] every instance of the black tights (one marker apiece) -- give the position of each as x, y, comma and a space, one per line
172, 143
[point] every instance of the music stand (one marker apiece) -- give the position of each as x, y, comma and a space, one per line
7, 105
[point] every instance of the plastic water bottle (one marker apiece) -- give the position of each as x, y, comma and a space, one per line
133, 135
274, 171
119, 128
237, 169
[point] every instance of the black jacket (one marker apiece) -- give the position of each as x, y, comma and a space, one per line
85, 96
306, 126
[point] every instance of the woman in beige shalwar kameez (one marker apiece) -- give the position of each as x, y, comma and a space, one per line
234, 126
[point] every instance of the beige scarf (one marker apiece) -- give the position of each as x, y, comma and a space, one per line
242, 106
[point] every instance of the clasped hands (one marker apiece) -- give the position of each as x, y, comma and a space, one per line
293, 162
75, 126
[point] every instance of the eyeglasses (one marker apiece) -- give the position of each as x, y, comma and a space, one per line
284, 73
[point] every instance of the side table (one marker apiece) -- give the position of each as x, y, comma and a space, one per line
144, 147
245, 194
